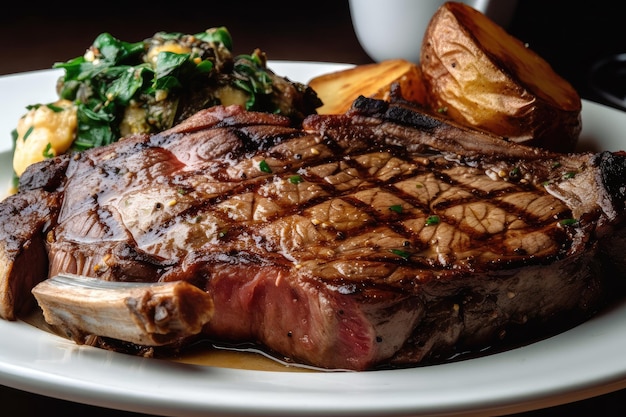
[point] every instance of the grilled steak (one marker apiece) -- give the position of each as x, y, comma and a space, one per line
384, 236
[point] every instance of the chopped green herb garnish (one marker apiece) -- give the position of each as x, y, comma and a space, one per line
569, 174
264, 167
401, 253
47, 152
295, 179
568, 222
396, 208
54, 108
28, 132
432, 220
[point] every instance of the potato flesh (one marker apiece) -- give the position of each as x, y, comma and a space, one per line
43, 131
339, 89
484, 77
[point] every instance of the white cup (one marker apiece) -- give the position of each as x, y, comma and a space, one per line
389, 29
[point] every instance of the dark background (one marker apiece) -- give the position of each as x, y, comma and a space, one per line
571, 36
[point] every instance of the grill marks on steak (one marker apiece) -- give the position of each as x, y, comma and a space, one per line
379, 236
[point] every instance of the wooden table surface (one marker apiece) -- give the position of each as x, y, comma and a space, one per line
33, 39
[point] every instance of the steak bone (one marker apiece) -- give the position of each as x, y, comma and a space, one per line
151, 314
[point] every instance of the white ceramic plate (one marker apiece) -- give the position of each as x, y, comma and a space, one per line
585, 361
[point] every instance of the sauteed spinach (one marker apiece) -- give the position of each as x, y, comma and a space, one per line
121, 88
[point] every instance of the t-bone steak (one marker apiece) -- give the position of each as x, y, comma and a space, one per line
380, 237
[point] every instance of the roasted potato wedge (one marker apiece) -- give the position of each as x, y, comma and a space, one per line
339, 89
481, 76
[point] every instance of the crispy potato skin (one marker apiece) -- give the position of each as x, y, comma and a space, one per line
339, 89
481, 76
